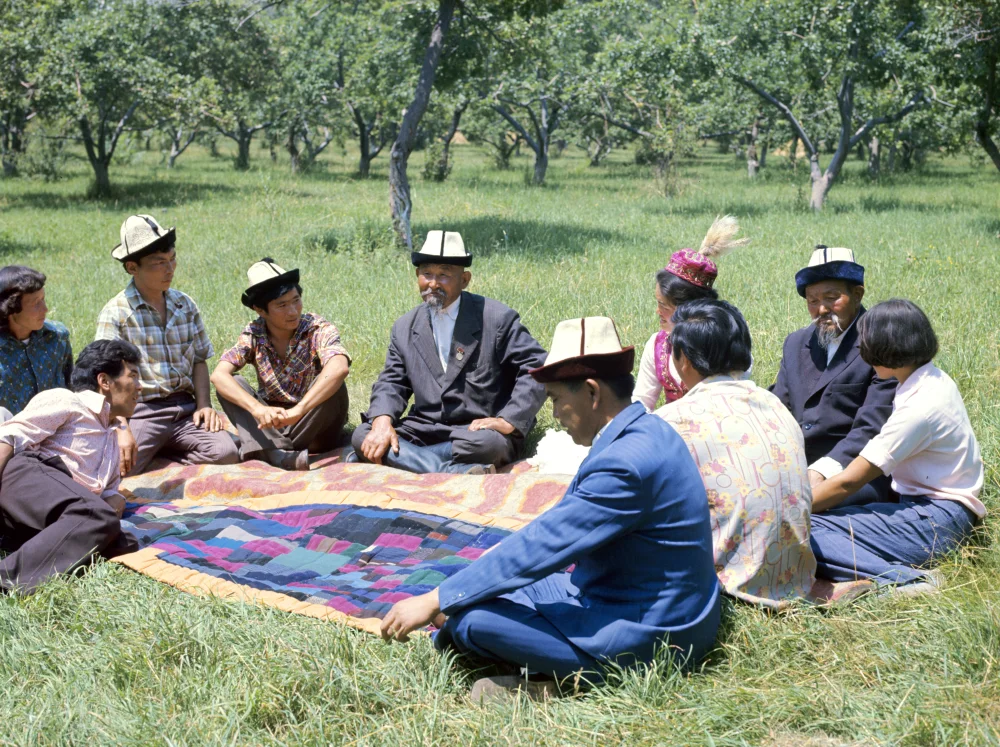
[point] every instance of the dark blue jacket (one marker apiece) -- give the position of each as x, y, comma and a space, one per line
841, 406
635, 521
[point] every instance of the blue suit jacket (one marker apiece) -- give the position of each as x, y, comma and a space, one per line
635, 521
841, 406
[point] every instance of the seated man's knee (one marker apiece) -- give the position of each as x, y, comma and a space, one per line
481, 447
359, 436
221, 449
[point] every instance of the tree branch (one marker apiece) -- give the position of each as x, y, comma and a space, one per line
917, 99
517, 126
781, 107
121, 126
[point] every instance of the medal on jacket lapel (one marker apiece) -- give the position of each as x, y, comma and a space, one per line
459, 353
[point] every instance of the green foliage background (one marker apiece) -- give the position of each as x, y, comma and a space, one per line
115, 658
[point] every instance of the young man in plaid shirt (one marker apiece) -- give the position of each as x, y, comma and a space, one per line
301, 402
174, 416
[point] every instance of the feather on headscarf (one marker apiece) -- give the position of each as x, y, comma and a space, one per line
698, 267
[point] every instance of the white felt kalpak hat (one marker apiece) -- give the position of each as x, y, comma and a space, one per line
587, 348
142, 235
442, 248
263, 276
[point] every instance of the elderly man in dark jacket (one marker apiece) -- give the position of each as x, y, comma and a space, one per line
465, 360
833, 394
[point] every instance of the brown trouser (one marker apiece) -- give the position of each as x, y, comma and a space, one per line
51, 523
165, 427
318, 430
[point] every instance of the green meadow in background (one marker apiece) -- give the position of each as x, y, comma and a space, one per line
116, 658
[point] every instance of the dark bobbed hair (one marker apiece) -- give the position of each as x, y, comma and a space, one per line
102, 356
265, 296
678, 291
621, 386
896, 334
15, 281
713, 335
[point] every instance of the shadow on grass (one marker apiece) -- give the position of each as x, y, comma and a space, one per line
12, 246
491, 235
136, 195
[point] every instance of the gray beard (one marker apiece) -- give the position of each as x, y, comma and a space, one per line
434, 300
825, 334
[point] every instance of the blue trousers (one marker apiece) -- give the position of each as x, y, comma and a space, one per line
887, 542
508, 630
465, 449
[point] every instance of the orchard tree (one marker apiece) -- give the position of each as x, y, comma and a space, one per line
432, 29
240, 59
865, 58
970, 66
99, 69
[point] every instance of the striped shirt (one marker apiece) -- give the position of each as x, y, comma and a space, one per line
74, 426
286, 381
170, 351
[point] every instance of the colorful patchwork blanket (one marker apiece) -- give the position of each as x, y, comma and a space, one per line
342, 541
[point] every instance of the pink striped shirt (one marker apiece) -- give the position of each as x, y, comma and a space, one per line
74, 426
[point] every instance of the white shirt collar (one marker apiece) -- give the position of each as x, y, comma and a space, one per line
451, 311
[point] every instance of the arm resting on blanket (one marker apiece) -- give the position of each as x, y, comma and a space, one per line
604, 505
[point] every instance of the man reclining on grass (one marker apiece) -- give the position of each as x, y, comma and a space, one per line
301, 366
634, 520
464, 359
59, 470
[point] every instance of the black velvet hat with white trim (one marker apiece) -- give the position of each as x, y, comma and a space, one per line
265, 276
142, 235
829, 263
442, 248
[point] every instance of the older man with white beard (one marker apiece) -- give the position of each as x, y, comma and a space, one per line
834, 395
464, 359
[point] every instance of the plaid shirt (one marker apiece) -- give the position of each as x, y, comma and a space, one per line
44, 362
286, 381
170, 352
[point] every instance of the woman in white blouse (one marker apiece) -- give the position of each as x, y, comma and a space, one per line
927, 446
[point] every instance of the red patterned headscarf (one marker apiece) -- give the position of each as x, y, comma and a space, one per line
698, 267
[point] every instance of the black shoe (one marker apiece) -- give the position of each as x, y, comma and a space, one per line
352, 457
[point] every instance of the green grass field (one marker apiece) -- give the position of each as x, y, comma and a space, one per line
116, 658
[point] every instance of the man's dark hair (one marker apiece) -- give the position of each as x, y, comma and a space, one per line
713, 335
172, 246
678, 290
102, 356
265, 296
15, 281
621, 386
896, 334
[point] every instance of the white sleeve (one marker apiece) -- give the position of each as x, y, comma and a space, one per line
647, 386
827, 466
908, 431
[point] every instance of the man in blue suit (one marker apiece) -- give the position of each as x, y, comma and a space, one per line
634, 520
833, 394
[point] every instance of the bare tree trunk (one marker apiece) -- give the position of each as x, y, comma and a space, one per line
982, 126
541, 166
821, 183
293, 149
400, 204
243, 138
752, 163
874, 157
765, 144
793, 151
441, 169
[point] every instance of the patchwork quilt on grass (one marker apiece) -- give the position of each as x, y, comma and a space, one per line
340, 542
